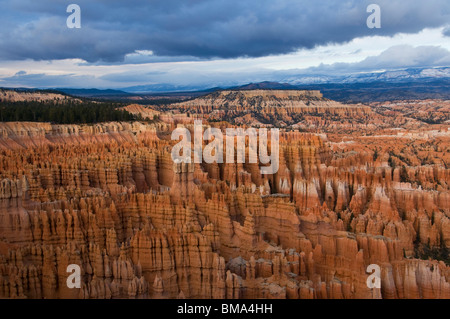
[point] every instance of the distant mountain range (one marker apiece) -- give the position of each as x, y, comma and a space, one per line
292, 81
378, 91
364, 92
413, 83
403, 75
266, 85
408, 84
92, 92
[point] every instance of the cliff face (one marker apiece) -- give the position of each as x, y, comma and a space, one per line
109, 198
27, 96
261, 100
304, 110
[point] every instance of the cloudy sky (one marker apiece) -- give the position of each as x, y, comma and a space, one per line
206, 43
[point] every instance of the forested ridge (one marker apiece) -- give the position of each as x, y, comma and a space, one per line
68, 112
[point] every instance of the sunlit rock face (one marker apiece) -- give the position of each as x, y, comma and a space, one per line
356, 185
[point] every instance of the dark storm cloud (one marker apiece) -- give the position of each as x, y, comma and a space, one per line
395, 58
199, 28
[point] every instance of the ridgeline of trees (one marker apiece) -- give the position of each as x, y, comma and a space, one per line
69, 112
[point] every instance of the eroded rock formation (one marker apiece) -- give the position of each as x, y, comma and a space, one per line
109, 198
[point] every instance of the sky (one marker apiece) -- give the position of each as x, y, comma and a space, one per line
209, 43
